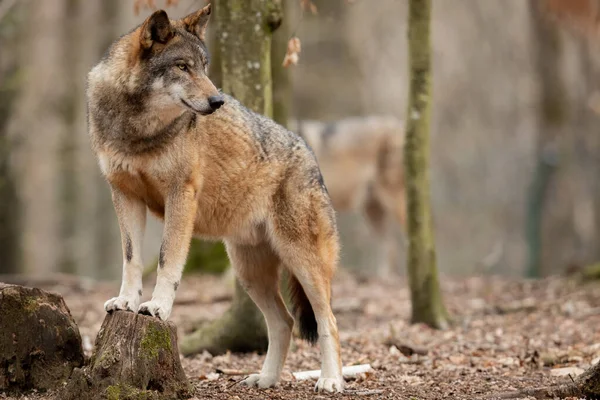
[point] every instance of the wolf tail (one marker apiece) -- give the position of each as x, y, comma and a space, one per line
302, 310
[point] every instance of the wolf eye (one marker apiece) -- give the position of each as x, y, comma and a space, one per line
182, 66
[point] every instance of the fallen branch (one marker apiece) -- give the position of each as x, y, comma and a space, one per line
348, 372
233, 372
406, 348
363, 392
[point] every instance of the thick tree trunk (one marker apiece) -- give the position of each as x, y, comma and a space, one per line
42, 57
244, 33
240, 329
135, 356
427, 305
39, 340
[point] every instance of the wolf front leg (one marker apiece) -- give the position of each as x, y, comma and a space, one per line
131, 213
180, 213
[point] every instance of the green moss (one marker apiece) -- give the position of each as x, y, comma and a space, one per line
155, 340
113, 392
125, 392
206, 257
108, 358
30, 304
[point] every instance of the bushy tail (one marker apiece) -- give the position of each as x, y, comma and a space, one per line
302, 310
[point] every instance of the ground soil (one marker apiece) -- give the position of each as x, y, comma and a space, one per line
507, 335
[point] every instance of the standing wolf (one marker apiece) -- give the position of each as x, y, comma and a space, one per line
167, 140
362, 163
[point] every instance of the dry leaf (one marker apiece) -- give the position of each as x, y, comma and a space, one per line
293, 51
139, 4
308, 5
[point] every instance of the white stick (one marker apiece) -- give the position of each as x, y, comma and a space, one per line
350, 371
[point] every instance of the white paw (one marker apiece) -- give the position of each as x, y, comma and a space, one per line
126, 303
331, 385
261, 381
156, 308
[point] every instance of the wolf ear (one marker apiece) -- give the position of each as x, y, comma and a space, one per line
195, 23
157, 28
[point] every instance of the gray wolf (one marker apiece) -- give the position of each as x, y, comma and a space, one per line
361, 160
168, 141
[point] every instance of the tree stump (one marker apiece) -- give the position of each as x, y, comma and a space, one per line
135, 356
40, 343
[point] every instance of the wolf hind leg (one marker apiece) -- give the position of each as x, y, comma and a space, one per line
313, 265
257, 268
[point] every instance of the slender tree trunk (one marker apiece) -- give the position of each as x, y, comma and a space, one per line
244, 32
282, 82
427, 304
9, 85
551, 119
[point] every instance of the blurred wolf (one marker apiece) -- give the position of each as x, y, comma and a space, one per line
167, 140
362, 164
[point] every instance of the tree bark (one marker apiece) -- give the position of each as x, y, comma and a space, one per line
244, 33
551, 119
39, 340
427, 305
135, 356
282, 82
42, 56
9, 86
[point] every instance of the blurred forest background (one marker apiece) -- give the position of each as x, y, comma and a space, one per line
515, 141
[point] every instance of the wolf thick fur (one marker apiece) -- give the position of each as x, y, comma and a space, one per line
168, 141
362, 164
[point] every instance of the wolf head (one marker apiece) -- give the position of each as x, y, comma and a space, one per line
162, 66
175, 58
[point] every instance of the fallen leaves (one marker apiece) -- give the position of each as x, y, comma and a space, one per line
528, 344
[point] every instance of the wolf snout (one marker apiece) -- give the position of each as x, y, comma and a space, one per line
215, 102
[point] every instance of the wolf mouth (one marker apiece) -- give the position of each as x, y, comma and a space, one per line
201, 112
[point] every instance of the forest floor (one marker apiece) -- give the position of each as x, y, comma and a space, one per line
507, 335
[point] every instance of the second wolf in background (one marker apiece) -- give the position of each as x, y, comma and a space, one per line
361, 159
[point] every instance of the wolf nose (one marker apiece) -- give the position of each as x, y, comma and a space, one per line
216, 101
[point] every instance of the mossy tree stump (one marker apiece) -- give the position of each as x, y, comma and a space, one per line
40, 343
135, 356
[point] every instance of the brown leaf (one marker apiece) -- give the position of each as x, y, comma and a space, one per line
139, 4
293, 51
308, 5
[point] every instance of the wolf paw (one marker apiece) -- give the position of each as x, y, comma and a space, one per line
331, 385
126, 303
155, 308
261, 381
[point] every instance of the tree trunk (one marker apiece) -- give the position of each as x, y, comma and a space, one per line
244, 33
39, 340
135, 356
9, 85
42, 57
282, 82
427, 305
551, 119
